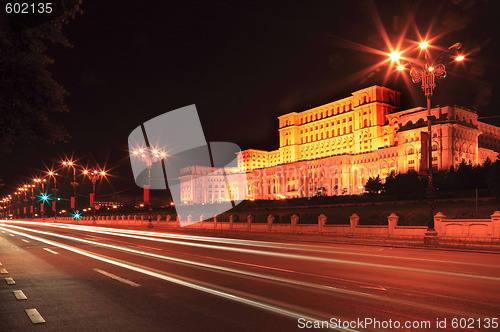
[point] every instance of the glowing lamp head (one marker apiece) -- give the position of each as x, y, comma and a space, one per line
85, 172
423, 45
401, 67
395, 56
103, 173
136, 152
51, 173
70, 163
45, 198
431, 68
64, 163
460, 58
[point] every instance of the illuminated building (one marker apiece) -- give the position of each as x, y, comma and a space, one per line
334, 148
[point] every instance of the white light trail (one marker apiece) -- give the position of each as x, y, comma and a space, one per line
299, 283
206, 288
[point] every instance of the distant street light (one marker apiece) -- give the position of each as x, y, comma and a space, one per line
149, 156
52, 175
426, 72
70, 163
94, 175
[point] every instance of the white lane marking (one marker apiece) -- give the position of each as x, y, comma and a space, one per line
24, 240
10, 281
19, 295
34, 316
3, 271
51, 251
115, 277
11, 234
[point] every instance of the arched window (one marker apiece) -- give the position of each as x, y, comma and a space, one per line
411, 151
344, 130
338, 131
365, 123
343, 109
350, 106
321, 135
338, 110
364, 99
350, 129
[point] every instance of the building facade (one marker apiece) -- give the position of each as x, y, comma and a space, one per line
334, 148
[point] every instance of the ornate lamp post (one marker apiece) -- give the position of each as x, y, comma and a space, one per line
427, 72
149, 156
42, 181
94, 175
70, 163
52, 175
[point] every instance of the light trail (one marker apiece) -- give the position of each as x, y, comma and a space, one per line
206, 288
299, 283
159, 237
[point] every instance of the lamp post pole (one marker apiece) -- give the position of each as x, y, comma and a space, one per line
94, 175
52, 175
427, 74
149, 156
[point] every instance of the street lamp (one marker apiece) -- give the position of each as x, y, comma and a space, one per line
42, 181
94, 175
427, 72
70, 163
149, 156
52, 175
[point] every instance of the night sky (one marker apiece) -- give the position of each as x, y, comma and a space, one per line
243, 63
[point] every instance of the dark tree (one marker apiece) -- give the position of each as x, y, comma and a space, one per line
29, 97
374, 185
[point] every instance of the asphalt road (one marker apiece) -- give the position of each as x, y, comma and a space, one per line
84, 278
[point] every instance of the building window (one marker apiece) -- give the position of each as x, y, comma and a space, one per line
365, 123
350, 128
343, 109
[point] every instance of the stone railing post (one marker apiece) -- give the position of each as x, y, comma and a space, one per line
169, 218
250, 219
495, 223
354, 220
231, 221
270, 220
321, 222
215, 222
158, 218
438, 222
202, 217
294, 219
189, 218
392, 221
